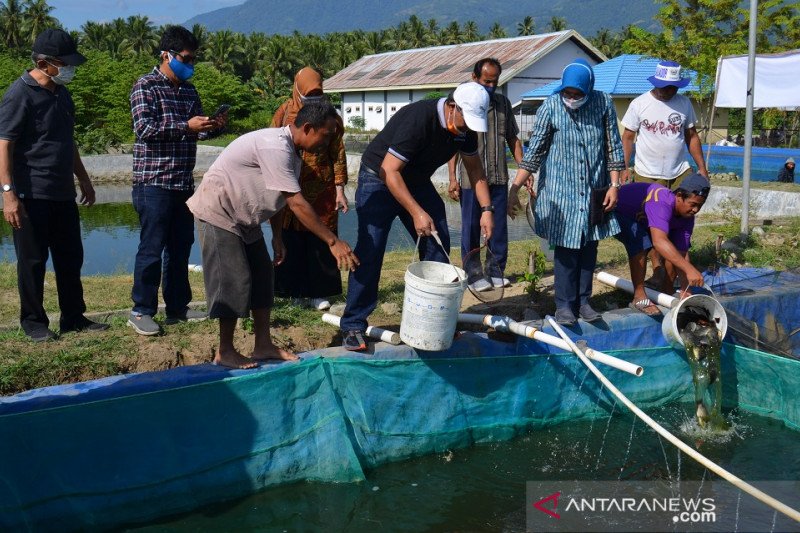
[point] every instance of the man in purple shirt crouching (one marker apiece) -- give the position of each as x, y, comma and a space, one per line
652, 216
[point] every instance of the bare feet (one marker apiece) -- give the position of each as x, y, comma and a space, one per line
270, 351
233, 359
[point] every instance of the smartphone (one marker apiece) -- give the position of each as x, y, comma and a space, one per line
220, 110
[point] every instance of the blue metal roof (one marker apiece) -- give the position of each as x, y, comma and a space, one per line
625, 75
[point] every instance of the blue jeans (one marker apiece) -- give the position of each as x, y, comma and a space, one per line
471, 225
573, 273
167, 227
377, 209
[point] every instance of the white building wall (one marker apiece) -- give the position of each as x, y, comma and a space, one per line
395, 100
352, 106
544, 71
374, 110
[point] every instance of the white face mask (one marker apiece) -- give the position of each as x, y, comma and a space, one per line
65, 74
574, 103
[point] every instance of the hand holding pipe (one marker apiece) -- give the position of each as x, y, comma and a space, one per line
376, 333
504, 323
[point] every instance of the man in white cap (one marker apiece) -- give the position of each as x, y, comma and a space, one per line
394, 182
662, 124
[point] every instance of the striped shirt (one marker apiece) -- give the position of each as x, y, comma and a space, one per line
492, 144
164, 151
573, 151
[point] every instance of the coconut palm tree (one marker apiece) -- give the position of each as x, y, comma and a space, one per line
11, 24
452, 34
95, 35
223, 50
497, 31
471, 33
526, 27
140, 36
557, 24
36, 19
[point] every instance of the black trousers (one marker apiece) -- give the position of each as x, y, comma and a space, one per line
54, 227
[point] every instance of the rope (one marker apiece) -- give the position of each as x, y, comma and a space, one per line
694, 454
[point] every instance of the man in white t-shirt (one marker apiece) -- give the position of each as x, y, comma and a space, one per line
251, 182
662, 123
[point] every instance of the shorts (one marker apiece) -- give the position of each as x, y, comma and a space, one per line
238, 276
669, 184
634, 235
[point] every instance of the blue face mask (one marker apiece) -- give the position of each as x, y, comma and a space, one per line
182, 71
489, 89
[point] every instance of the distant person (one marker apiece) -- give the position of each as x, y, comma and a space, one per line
394, 181
653, 217
576, 149
502, 130
786, 173
168, 120
38, 164
309, 273
662, 123
251, 181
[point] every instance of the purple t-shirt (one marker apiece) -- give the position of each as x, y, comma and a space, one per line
657, 203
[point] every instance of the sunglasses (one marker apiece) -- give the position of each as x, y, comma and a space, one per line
189, 60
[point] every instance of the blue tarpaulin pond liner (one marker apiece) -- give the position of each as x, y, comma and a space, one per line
131, 449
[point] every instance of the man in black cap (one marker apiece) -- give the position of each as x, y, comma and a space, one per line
38, 162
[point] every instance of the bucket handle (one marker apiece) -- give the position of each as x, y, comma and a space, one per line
435, 235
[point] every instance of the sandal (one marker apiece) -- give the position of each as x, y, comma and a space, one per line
646, 306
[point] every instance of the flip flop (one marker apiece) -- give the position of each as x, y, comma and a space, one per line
645, 306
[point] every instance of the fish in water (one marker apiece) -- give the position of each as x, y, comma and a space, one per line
703, 342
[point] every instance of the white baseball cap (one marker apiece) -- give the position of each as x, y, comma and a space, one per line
473, 100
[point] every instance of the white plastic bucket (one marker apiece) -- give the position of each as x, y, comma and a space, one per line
714, 310
431, 303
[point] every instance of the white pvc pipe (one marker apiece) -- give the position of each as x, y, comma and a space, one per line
504, 323
376, 333
694, 454
658, 297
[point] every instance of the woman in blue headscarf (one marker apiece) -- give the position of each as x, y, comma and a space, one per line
576, 148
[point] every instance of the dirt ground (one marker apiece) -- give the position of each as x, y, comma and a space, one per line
160, 353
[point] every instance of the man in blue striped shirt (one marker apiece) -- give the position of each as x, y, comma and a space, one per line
168, 120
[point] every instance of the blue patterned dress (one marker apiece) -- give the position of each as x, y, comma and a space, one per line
573, 150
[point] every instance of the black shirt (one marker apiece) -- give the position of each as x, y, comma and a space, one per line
417, 135
41, 123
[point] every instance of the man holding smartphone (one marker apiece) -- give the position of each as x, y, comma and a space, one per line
168, 120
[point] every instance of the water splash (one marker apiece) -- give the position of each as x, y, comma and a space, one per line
703, 343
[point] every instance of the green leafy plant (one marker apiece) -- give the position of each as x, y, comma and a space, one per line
357, 123
536, 266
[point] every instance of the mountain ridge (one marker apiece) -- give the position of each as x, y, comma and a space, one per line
324, 16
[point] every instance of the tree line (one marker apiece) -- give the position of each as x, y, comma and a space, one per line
255, 72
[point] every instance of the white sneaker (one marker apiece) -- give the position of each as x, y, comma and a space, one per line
320, 304
501, 282
481, 285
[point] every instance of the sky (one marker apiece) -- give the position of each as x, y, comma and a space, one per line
74, 13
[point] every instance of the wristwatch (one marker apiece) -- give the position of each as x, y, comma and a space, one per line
616, 185
7, 187
489, 208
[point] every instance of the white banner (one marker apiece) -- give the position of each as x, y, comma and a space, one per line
777, 81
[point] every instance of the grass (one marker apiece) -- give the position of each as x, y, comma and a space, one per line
223, 140
82, 356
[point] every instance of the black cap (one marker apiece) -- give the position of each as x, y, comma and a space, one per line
696, 184
59, 44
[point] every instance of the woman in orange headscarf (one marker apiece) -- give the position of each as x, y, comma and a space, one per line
309, 273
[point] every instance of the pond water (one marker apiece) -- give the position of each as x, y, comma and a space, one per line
110, 231
483, 488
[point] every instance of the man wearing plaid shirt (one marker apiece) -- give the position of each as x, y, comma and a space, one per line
168, 120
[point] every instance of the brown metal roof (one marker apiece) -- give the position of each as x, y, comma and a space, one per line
447, 66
